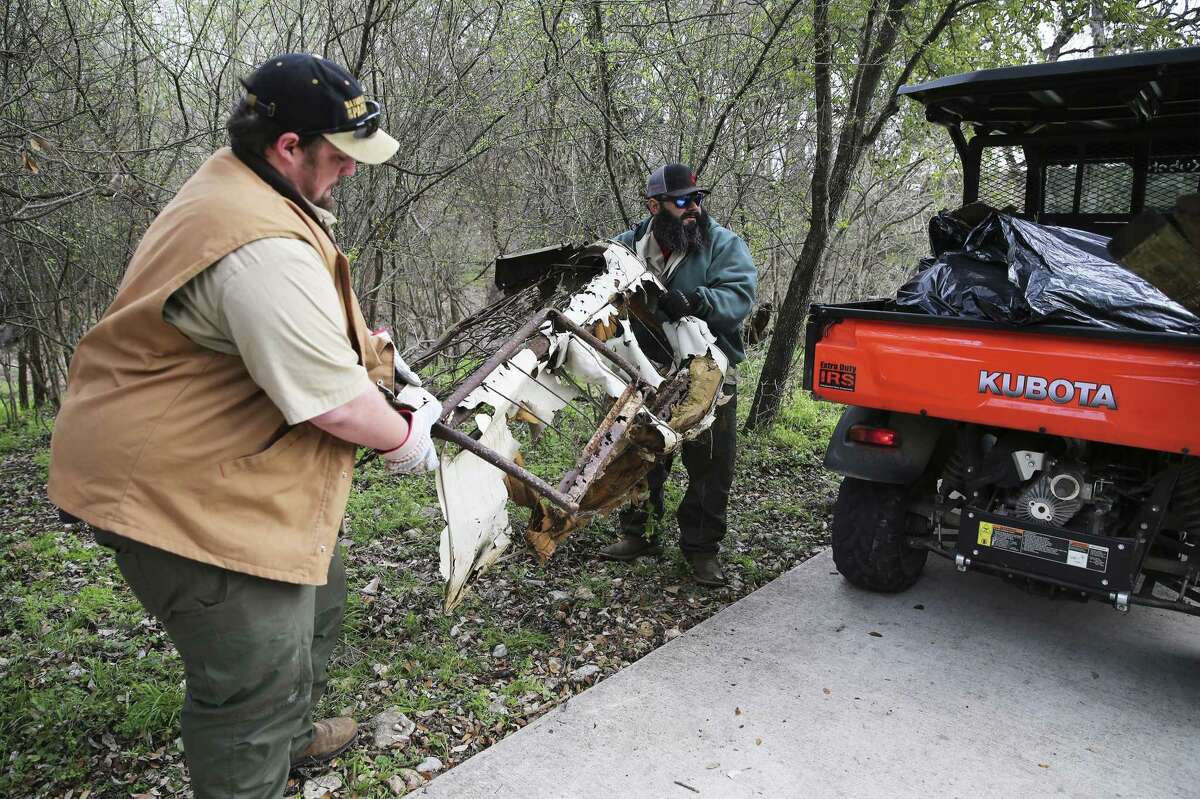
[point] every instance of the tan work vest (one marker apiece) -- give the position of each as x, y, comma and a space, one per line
174, 445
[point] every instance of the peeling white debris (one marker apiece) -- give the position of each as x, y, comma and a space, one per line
627, 347
472, 492
585, 364
473, 498
690, 337
521, 379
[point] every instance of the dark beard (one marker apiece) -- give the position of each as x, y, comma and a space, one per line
675, 236
310, 161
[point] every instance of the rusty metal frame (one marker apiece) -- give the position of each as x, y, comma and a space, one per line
600, 448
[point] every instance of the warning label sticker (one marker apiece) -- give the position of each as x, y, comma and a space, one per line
1080, 554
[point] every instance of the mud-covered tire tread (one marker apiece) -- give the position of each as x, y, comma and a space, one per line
868, 537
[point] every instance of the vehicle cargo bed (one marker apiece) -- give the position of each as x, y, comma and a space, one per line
1131, 388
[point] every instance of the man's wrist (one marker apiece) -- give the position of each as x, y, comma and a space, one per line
408, 419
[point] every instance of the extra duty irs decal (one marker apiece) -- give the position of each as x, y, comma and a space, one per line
1057, 390
838, 376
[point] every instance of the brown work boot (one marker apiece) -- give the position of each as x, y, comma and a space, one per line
705, 569
331, 738
630, 546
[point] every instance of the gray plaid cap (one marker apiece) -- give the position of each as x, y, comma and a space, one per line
673, 180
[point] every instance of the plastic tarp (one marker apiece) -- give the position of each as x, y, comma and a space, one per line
1017, 272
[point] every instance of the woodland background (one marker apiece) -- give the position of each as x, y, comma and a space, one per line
521, 124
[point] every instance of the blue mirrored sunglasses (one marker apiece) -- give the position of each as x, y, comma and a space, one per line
696, 197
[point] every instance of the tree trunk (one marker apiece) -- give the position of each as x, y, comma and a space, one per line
773, 383
376, 287
23, 376
38, 372
603, 85
1096, 24
879, 35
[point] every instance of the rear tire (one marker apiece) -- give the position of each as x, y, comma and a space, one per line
869, 529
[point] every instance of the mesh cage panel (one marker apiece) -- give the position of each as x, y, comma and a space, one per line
1058, 193
1002, 177
1107, 188
1169, 178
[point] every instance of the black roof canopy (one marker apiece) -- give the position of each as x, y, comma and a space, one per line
1160, 88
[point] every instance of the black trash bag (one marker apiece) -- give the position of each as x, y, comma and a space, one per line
947, 233
1018, 272
949, 229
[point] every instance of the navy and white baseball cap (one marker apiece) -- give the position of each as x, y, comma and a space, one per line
673, 180
308, 95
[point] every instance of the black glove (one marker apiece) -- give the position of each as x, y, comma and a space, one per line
676, 305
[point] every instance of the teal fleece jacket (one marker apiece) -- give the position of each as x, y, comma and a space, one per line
723, 277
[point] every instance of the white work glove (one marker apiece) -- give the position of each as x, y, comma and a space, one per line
416, 454
405, 376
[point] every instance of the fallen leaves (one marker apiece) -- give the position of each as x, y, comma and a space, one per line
564, 626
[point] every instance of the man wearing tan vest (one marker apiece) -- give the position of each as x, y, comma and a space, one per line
212, 417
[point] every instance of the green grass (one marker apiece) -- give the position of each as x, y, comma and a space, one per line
805, 424
380, 505
83, 663
23, 432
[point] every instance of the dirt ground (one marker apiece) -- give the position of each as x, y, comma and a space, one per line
90, 688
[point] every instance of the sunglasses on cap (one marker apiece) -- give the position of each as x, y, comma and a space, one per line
683, 201
363, 127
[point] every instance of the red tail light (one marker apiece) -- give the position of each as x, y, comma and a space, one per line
879, 436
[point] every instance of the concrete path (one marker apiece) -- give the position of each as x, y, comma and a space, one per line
812, 688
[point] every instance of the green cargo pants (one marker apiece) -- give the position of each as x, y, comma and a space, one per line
254, 655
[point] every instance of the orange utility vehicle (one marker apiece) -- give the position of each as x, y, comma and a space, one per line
1060, 456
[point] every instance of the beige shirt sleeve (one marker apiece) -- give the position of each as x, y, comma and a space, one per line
272, 303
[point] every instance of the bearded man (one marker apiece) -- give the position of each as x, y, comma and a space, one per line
212, 417
709, 274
